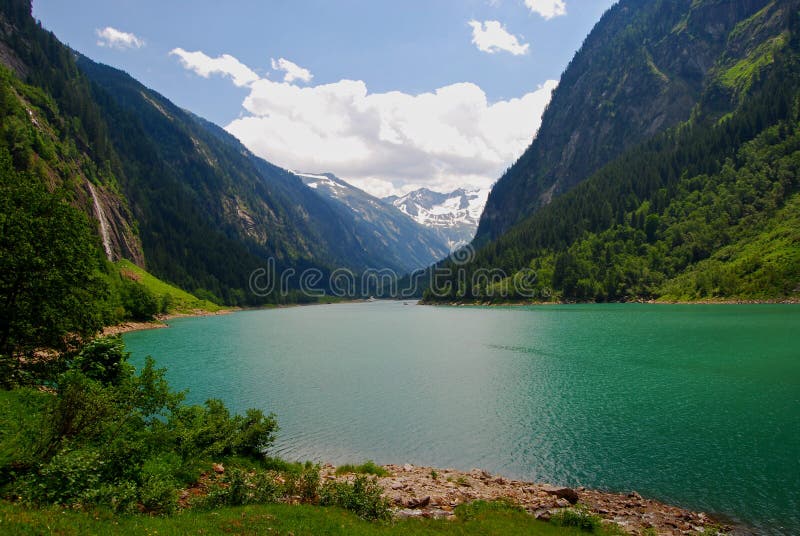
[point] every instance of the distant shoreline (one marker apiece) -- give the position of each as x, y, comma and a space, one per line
161, 321
786, 301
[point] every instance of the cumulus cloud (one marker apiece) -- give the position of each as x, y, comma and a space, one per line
292, 71
225, 65
113, 38
547, 8
393, 142
390, 142
491, 36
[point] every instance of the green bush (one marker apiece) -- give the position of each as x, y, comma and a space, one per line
67, 478
159, 494
139, 302
238, 487
113, 437
212, 432
104, 360
121, 497
363, 496
304, 484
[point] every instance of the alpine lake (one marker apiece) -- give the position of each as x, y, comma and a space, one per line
693, 405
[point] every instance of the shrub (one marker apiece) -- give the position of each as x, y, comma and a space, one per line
107, 436
363, 497
121, 497
237, 487
139, 302
305, 484
68, 477
104, 360
159, 494
211, 432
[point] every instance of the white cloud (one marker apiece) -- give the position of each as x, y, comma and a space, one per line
292, 71
387, 142
113, 38
390, 142
491, 36
547, 8
225, 65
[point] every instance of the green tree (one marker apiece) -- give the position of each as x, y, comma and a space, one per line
50, 287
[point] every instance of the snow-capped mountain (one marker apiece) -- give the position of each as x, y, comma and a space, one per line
453, 215
392, 239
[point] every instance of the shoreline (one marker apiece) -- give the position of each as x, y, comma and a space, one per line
786, 301
417, 491
160, 322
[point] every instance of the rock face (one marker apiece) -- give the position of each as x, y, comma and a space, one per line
115, 224
641, 71
429, 492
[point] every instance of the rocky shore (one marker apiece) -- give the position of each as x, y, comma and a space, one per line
159, 323
429, 492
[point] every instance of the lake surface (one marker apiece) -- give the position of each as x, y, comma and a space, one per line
693, 405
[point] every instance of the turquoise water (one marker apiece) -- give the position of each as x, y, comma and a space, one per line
694, 405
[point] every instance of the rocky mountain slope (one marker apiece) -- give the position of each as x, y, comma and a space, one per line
454, 215
396, 241
642, 70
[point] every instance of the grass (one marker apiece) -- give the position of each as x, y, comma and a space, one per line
741, 75
367, 468
300, 520
180, 301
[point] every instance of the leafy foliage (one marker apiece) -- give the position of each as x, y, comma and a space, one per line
363, 496
115, 437
49, 269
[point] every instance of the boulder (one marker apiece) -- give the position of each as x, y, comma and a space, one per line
417, 502
562, 493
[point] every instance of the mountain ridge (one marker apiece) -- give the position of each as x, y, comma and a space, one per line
604, 106
453, 215
403, 244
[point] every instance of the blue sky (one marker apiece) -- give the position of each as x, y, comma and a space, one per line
443, 93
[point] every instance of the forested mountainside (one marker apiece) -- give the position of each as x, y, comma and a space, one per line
397, 241
201, 225
642, 70
709, 209
170, 191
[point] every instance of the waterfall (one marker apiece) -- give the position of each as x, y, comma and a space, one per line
101, 217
